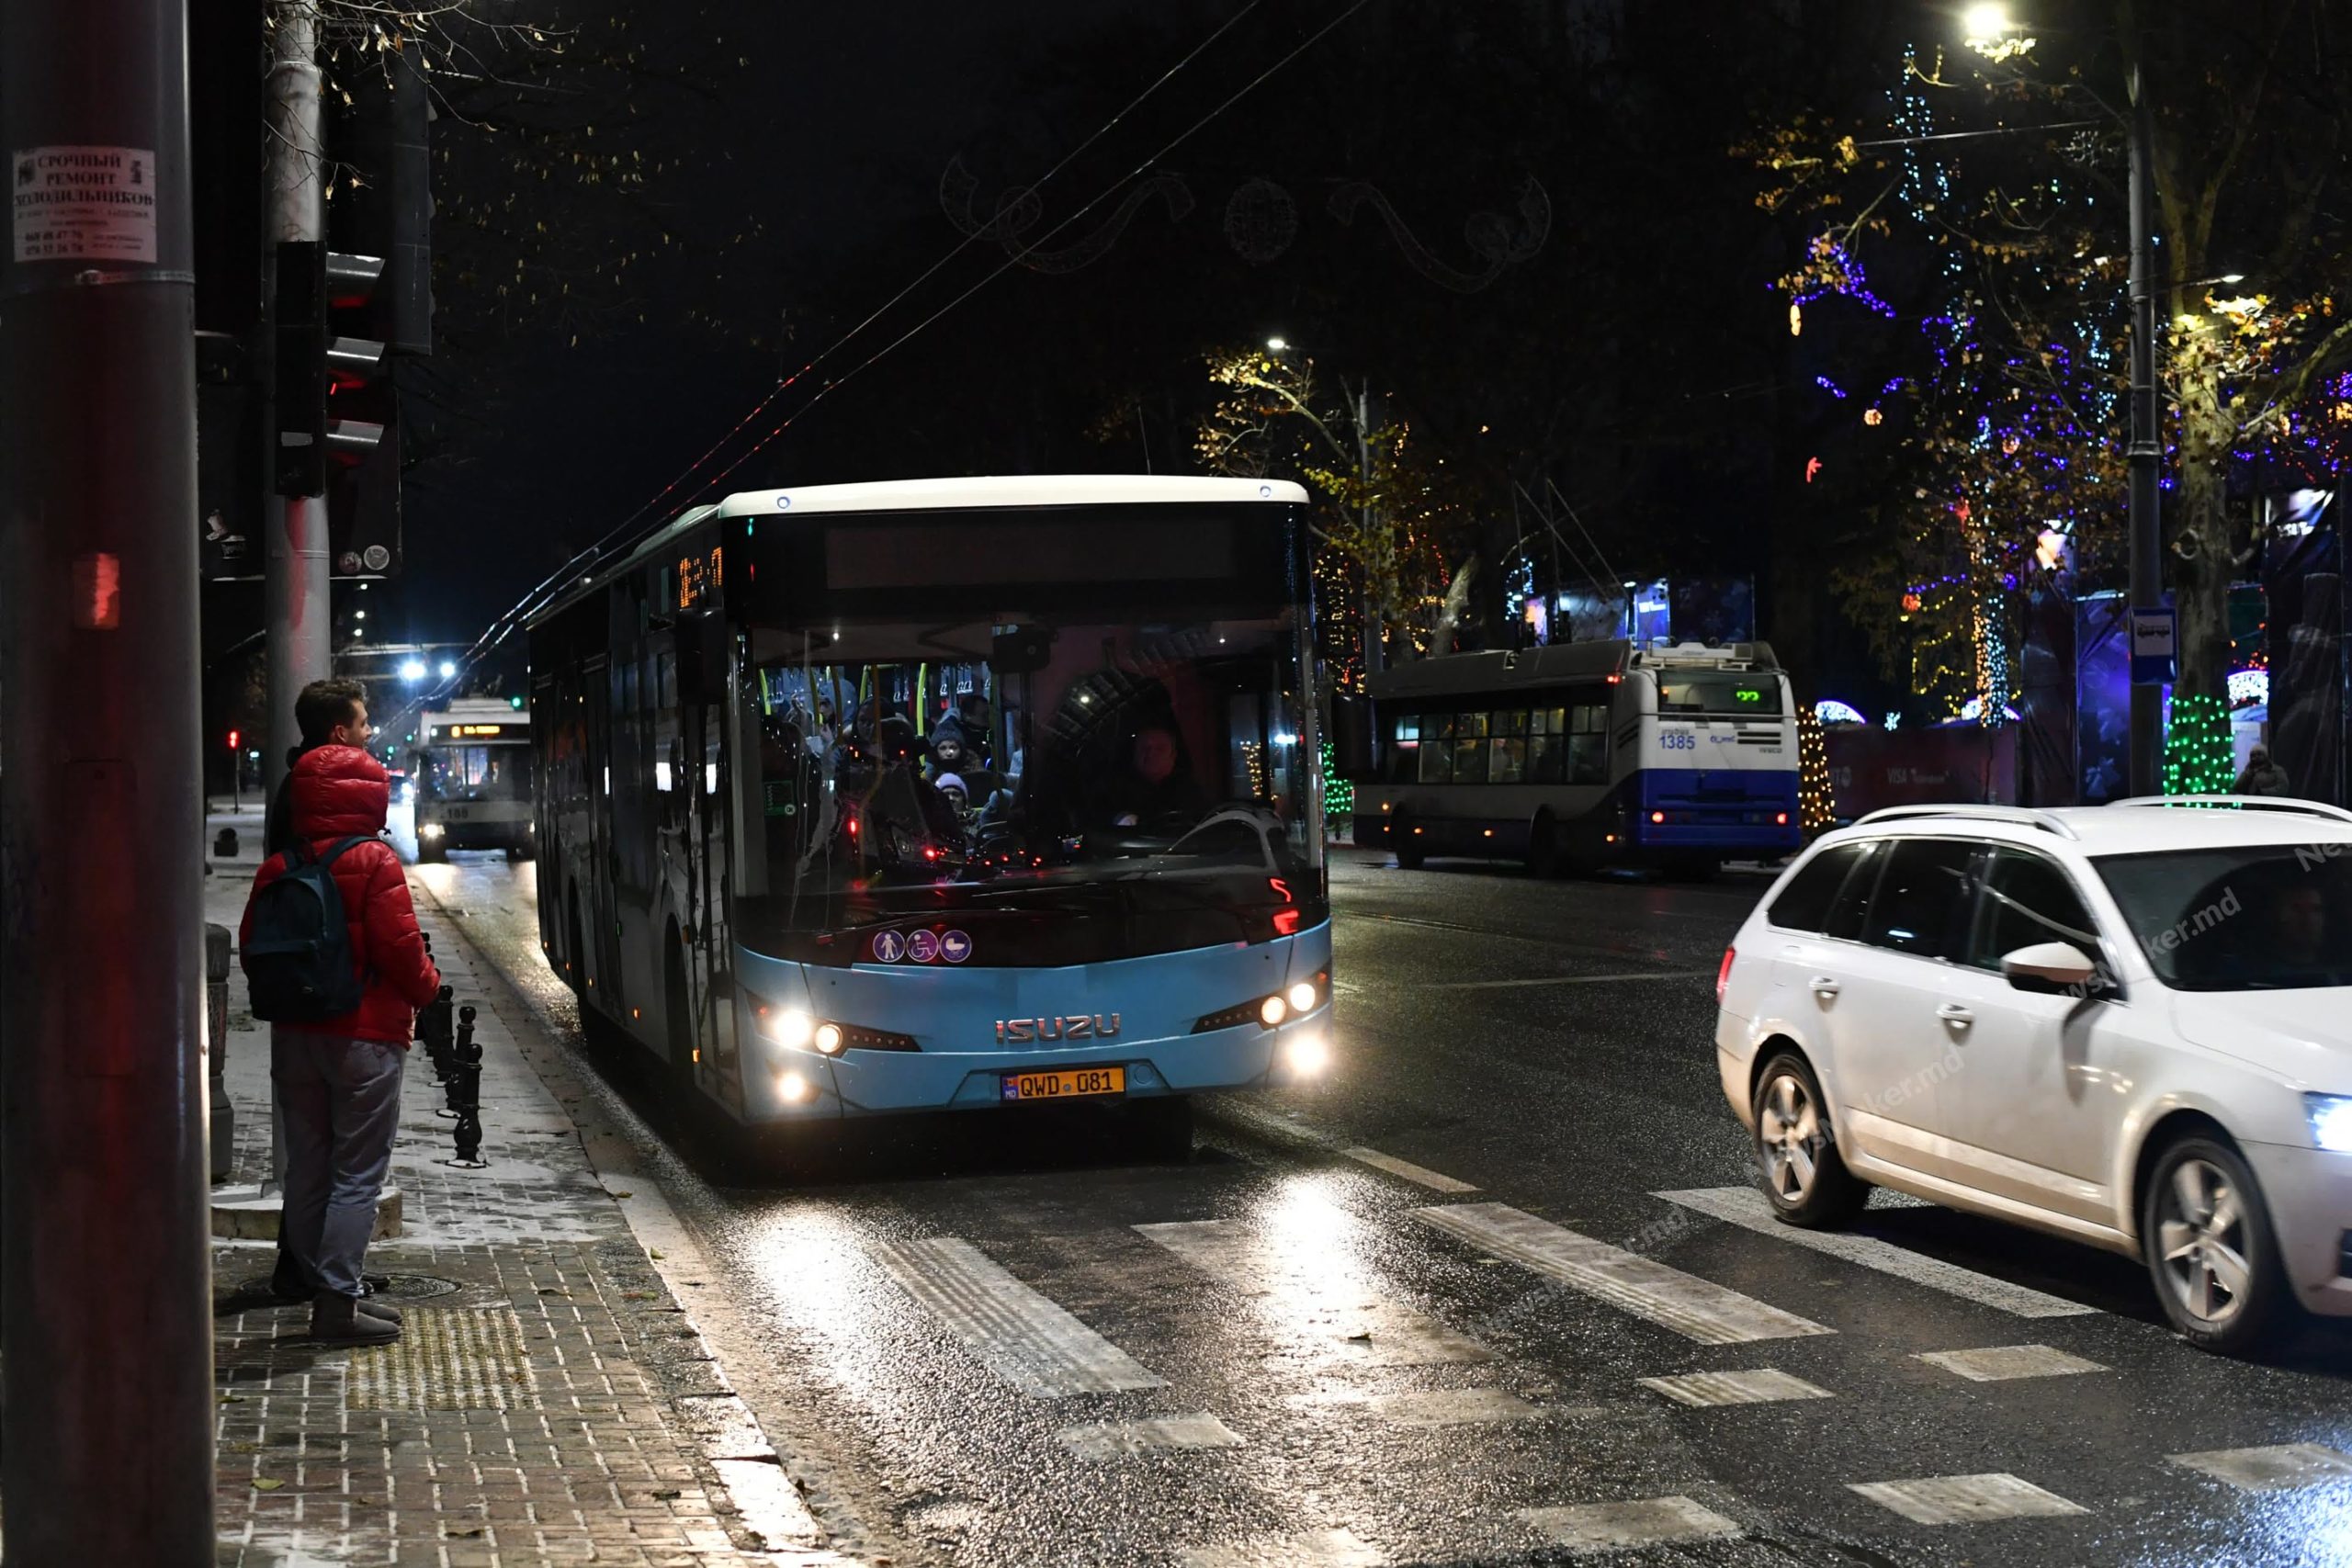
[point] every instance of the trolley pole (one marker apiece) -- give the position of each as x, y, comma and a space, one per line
106, 1331
296, 567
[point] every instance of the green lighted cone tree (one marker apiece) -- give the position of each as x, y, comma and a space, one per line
2199, 757
1339, 794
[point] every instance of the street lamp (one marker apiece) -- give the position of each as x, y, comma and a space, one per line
414, 669
448, 670
1988, 28
1276, 345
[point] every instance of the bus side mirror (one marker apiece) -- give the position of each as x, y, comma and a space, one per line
701, 638
1351, 736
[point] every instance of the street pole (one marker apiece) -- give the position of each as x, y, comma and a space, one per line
297, 583
106, 1324
2145, 452
1375, 630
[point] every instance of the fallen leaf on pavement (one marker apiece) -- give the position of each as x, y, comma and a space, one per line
264, 1484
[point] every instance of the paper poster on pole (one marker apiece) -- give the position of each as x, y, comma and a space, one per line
83, 204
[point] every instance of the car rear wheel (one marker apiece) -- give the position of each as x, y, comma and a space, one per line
2211, 1250
1796, 1151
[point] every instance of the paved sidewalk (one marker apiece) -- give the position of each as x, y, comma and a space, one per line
550, 1401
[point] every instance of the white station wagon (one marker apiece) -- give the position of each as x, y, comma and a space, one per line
2130, 1025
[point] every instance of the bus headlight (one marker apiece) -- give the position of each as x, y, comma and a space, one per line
791, 1088
430, 830
1307, 1055
827, 1038
1272, 1010
787, 1027
1302, 997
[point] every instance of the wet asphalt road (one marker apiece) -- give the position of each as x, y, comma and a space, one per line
967, 1315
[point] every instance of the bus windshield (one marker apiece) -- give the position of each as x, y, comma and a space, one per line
476, 772
1154, 774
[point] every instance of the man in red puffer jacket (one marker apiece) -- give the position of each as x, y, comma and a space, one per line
338, 1081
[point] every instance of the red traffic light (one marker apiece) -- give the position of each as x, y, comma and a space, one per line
235, 736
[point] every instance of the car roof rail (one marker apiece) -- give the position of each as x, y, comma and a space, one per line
2243, 803
2023, 817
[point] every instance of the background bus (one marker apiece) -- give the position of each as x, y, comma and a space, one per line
1584, 755
945, 794
474, 769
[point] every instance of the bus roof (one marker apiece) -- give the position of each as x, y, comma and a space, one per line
975, 493
1562, 662
1011, 490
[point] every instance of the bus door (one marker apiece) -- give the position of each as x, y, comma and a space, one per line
603, 857
704, 789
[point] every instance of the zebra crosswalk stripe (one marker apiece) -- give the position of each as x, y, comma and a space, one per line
1750, 1208
1690, 1306
1020, 1335
1318, 1292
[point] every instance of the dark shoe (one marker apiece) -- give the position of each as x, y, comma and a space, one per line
370, 1307
337, 1320
288, 1285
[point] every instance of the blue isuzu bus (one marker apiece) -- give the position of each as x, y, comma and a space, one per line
944, 794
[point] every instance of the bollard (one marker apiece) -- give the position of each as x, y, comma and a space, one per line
432, 1028
465, 1095
216, 1000
452, 1078
225, 844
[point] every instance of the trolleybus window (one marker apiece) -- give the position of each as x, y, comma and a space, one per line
1153, 773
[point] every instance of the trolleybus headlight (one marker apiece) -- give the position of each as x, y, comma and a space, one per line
791, 1088
430, 830
828, 1039
1302, 997
1272, 1010
787, 1027
1307, 1053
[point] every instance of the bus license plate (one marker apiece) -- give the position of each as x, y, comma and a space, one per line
1068, 1084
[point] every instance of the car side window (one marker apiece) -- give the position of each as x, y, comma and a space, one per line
1923, 899
1852, 904
2027, 900
1804, 904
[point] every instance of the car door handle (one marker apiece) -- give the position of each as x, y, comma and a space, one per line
1956, 1015
1823, 986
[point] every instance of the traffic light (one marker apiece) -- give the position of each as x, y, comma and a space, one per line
235, 736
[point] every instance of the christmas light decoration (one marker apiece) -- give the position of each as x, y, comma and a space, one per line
1816, 796
2199, 757
1339, 794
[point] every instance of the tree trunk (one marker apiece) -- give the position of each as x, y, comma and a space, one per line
2203, 558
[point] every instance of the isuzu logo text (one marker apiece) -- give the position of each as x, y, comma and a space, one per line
1021, 1031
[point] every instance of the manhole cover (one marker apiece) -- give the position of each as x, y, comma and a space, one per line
401, 1288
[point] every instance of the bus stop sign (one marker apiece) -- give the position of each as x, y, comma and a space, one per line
2153, 636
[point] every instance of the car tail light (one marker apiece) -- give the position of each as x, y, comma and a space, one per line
1723, 976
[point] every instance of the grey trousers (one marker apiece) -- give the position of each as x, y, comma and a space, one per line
338, 1106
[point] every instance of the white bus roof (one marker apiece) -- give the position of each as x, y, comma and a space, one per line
979, 493
1010, 491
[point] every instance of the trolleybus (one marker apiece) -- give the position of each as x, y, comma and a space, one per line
473, 771
1584, 755
944, 794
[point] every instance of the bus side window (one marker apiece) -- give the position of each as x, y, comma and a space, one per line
1589, 745
1437, 749
1507, 751
1404, 753
1470, 747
